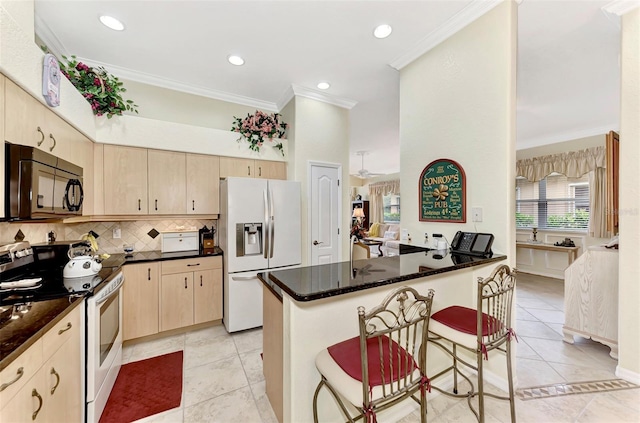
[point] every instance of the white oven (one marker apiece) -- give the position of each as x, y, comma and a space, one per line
104, 344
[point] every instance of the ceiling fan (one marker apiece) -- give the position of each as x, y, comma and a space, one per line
364, 173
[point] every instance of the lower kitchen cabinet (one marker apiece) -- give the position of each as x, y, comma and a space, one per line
140, 300
171, 294
190, 292
207, 296
176, 301
53, 392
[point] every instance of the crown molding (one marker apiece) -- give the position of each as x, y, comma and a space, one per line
316, 95
454, 24
620, 7
145, 78
285, 98
52, 42
565, 136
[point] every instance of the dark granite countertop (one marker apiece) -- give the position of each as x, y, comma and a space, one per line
323, 281
17, 335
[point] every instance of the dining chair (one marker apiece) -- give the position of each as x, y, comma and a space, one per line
480, 331
385, 363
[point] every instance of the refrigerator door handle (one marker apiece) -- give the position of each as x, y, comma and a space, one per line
265, 229
272, 224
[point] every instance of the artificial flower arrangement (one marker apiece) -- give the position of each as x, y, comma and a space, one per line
102, 90
260, 127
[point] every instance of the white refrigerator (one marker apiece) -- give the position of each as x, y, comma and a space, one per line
258, 230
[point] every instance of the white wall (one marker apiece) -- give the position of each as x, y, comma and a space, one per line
321, 134
629, 219
458, 102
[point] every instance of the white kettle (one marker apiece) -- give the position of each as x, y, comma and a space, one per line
81, 265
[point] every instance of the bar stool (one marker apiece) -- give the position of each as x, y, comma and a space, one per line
386, 363
479, 331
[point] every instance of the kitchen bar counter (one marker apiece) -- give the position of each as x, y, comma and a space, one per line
328, 280
310, 308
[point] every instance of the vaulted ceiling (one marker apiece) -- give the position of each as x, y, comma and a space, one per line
568, 75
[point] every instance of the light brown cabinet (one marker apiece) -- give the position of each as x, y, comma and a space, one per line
148, 181
49, 389
249, 168
125, 180
270, 170
190, 292
203, 184
207, 296
167, 173
140, 300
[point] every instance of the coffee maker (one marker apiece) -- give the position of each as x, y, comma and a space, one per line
207, 245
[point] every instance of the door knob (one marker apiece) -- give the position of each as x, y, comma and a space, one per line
317, 243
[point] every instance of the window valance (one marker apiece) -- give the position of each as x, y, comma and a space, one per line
385, 188
572, 164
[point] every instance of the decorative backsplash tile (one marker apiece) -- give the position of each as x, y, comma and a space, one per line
138, 233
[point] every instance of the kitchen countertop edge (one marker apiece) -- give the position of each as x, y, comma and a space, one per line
348, 289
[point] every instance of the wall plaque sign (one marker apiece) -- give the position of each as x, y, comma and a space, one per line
442, 192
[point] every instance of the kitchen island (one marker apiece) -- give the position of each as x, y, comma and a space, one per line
310, 308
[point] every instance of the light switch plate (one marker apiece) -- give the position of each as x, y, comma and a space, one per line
117, 234
476, 214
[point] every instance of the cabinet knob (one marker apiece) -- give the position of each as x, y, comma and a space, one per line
193, 205
139, 205
259, 170
200, 280
185, 283
61, 331
53, 372
249, 170
54, 142
149, 274
156, 205
19, 374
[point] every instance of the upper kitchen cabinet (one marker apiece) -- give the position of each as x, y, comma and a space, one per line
29, 122
249, 168
167, 181
270, 170
235, 166
24, 118
203, 184
125, 180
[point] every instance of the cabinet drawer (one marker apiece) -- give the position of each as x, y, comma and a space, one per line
191, 265
18, 373
61, 332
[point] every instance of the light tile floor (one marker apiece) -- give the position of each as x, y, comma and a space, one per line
223, 379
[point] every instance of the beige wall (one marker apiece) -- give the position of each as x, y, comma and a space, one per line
458, 102
320, 133
629, 286
174, 106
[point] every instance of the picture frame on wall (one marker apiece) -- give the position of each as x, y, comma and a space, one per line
442, 192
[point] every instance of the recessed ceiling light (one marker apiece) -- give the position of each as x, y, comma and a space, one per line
111, 22
382, 31
236, 60
323, 85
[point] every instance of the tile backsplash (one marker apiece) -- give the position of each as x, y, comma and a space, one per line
138, 233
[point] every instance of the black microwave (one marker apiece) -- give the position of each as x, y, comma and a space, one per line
39, 185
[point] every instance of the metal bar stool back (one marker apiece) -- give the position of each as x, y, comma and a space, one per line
386, 363
480, 331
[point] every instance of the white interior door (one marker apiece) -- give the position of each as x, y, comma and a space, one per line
325, 214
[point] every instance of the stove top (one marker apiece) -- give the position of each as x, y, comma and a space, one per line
52, 284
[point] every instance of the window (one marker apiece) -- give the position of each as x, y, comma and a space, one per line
556, 202
391, 207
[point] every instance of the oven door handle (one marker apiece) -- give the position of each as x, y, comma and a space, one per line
111, 294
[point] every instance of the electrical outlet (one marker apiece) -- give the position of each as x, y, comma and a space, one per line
476, 214
117, 234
